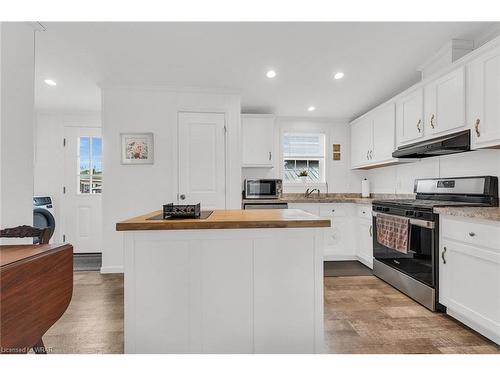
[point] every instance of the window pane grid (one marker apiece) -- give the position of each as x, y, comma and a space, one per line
303, 154
90, 165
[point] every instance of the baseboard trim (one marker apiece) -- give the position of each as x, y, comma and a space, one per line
112, 269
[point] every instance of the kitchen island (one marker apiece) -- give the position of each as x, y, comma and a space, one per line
239, 281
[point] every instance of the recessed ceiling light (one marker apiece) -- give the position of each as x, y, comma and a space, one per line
50, 82
311, 108
271, 74
338, 75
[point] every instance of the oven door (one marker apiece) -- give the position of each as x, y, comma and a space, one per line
264, 189
419, 262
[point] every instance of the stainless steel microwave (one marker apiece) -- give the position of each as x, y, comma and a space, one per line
263, 188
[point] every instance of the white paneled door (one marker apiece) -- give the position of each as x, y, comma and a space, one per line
202, 159
83, 174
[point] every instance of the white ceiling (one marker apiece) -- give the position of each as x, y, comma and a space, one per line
378, 59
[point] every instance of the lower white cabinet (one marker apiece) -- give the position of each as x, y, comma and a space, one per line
349, 237
339, 241
364, 235
469, 273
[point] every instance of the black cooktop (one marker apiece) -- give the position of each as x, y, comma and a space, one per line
423, 203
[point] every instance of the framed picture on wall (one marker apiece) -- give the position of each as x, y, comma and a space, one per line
137, 148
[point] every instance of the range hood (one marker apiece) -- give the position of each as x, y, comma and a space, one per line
448, 144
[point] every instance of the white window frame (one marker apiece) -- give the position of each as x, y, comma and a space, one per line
91, 158
322, 160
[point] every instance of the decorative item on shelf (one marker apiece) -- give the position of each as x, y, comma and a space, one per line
137, 148
185, 211
303, 175
365, 188
336, 151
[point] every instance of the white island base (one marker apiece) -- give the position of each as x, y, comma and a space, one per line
224, 291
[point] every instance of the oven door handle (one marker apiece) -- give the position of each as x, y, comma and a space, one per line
417, 222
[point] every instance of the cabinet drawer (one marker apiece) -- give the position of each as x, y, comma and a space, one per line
365, 212
333, 210
469, 231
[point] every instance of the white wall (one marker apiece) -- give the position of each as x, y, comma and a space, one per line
49, 152
398, 179
339, 176
16, 134
131, 190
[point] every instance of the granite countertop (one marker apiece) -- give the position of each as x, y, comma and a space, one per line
229, 219
329, 198
481, 213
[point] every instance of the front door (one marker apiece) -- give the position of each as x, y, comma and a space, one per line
202, 159
82, 215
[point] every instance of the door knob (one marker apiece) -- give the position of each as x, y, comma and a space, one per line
182, 197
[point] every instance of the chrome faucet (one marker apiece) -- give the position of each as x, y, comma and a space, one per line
309, 192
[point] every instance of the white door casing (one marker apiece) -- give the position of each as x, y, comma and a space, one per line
202, 159
82, 213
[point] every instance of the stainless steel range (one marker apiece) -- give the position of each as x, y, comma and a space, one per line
415, 272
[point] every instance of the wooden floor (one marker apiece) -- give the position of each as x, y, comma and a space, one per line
362, 315
93, 322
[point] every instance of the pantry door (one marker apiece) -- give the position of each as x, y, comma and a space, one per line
202, 159
83, 175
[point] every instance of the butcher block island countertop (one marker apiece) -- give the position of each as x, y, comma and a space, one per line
229, 219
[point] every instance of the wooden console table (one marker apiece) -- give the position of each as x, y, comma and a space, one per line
36, 286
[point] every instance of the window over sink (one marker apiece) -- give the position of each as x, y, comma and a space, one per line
303, 158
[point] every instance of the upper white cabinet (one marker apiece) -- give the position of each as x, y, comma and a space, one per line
372, 138
484, 99
409, 116
361, 142
445, 103
257, 134
384, 122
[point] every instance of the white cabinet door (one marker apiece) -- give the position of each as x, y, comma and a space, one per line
469, 286
409, 117
384, 129
484, 99
202, 159
339, 240
257, 134
364, 248
361, 142
445, 103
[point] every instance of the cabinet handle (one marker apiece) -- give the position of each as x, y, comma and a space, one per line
476, 126
367, 155
182, 197
432, 121
371, 230
333, 210
418, 126
270, 155
442, 255
371, 154
472, 234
